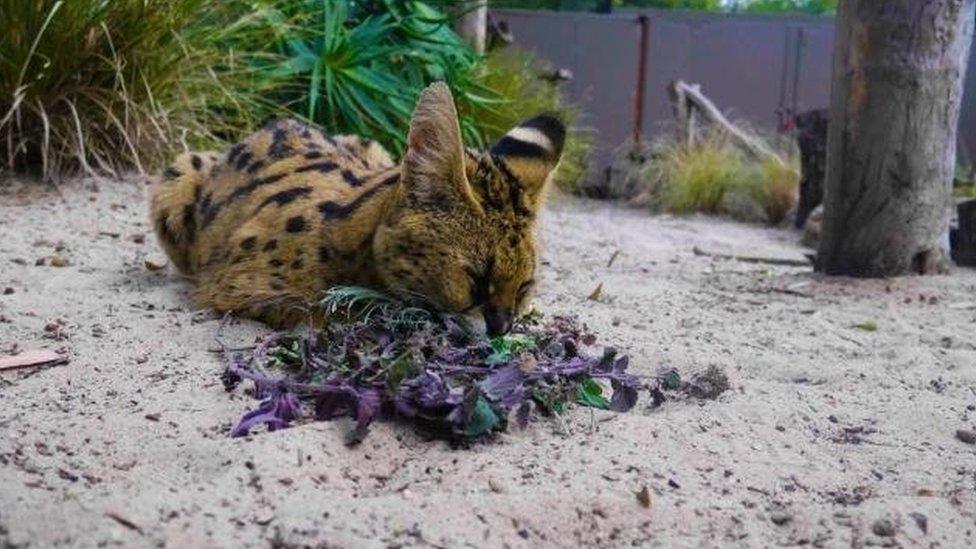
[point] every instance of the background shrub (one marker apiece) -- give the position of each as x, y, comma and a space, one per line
110, 86
715, 176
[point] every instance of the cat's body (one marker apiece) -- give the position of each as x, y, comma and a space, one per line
266, 228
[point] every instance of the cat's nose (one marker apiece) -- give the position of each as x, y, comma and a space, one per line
497, 321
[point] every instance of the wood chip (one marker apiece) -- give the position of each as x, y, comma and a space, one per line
155, 263
28, 359
613, 258
595, 294
123, 520
644, 497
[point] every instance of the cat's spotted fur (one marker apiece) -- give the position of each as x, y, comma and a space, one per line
267, 227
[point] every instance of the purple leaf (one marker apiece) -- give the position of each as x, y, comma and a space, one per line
275, 412
368, 402
424, 394
504, 386
624, 395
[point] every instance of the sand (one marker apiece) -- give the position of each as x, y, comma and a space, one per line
831, 435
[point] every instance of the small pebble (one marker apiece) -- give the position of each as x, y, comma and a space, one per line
497, 486
780, 517
884, 528
967, 436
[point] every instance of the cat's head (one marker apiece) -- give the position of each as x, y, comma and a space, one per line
461, 233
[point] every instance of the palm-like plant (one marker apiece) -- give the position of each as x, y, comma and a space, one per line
358, 67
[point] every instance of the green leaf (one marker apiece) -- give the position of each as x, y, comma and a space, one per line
590, 393
671, 380
483, 419
868, 326
504, 348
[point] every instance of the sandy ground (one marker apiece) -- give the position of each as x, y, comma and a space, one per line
830, 435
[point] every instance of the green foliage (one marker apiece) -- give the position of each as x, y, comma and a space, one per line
482, 419
504, 348
789, 6
111, 86
106, 87
366, 303
285, 355
702, 5
358, 67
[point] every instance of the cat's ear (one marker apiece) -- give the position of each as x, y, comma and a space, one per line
434, 166
531, 151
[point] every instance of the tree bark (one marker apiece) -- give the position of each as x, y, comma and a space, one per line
472, 24
899, 67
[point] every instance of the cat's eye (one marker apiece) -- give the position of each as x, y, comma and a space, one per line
479, 286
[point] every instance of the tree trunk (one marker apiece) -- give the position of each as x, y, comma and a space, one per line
472, 24
898, 78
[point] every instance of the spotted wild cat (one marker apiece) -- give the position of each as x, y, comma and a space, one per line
267, 227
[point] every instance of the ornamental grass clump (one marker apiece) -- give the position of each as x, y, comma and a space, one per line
105, 87
379, 358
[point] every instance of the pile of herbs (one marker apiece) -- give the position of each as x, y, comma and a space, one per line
380, 358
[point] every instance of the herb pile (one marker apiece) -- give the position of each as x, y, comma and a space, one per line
379, 358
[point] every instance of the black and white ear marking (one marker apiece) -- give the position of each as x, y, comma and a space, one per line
541, 137
531, 150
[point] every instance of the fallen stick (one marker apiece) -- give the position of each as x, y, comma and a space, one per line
28, 359
785, 261
686, 96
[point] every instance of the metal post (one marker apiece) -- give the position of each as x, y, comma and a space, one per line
644, 23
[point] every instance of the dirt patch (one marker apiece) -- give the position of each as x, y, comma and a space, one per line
826, 429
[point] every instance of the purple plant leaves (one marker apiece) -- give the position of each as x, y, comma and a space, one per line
505, 386
425, 394
368, 403
624, 395
276, 413
437, 373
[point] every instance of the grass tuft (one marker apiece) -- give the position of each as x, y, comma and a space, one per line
715, 176
105, 87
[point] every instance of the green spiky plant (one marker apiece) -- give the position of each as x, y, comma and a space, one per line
358, 67
98, 86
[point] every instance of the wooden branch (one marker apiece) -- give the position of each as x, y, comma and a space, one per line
688, 98
28, 359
